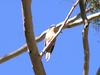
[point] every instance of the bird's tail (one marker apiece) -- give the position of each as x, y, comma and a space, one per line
47, 57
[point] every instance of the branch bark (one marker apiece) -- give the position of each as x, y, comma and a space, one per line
30, 39
82, 4
79, 15
80, 21
23, 48
13, 54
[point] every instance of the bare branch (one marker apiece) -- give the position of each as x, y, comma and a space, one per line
82, 4
30, 39
21, 50
80, 21
14, 54
78, 15
40, 37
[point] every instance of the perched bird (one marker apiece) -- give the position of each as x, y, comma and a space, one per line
48, 37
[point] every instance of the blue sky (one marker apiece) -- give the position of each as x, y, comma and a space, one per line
67, 57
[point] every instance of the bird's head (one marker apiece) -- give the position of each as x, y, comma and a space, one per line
53, 26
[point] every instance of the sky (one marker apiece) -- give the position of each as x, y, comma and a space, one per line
67, 57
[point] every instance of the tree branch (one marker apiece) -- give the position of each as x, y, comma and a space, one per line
40, 37
30, 39
80, 21
78, 15
82, 4
13, 54
21, 50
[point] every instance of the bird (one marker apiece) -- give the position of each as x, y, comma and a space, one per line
48, 38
